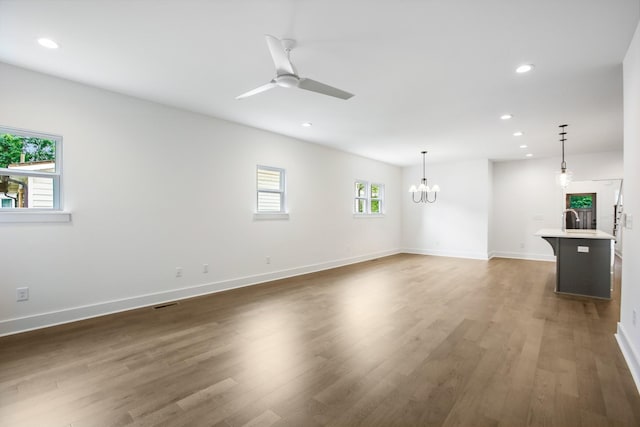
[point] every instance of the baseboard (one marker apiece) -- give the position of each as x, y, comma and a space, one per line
44, 320
453, 254
481, 255
629, 353
520, 255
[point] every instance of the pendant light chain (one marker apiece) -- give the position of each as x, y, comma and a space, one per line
563, 165
565, 176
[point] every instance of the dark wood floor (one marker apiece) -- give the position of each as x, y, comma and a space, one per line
404, 340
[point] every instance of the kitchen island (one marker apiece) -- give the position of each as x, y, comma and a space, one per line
584, 261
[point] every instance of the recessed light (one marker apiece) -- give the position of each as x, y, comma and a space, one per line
518, 133
524, 68
529, 155
523, 146
506, 116
307, 124
48, 43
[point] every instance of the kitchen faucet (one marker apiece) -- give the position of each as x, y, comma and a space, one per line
564, 218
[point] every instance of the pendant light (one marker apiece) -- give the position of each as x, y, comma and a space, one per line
564, 177
422, 190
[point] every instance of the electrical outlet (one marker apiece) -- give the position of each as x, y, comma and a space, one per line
22, 294
268, 260
205, 268
521, 245
178, 271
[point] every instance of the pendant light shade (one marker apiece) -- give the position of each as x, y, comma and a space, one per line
420, 192
564, 177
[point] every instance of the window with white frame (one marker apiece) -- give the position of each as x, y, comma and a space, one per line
369, 198
30, 170
270, 190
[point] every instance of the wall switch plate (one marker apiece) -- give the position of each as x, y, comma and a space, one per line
268, 260
628, 223
178, 271
205, 268
634, 318
22, 294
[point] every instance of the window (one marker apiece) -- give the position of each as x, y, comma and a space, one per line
585, 207
270, 190
361, 198
29, 170
369, 198
376, 199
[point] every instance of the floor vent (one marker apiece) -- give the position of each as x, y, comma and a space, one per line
169, 304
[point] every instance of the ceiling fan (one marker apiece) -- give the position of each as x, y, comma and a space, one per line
286, 75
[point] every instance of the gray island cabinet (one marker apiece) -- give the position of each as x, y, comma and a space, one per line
584, 261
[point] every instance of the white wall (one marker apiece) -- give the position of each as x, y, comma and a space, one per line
629, 332
526, 198
458, 223
152, 188
494, 208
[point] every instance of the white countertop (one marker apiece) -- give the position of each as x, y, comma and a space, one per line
574, 234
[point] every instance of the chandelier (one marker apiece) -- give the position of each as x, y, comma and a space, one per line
422, 190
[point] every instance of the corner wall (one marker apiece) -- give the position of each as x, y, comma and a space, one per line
152, 188
488, 209
526, 198
629, 326
457, 224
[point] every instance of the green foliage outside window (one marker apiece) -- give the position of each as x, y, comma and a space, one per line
580, 202
34, 149
375, 196
375, 191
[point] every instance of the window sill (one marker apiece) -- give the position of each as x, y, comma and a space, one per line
268, 216
368, 215
39, 216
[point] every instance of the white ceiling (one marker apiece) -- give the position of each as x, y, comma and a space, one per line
426, 74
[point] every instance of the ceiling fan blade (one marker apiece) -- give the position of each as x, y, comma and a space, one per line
257, 90
314, 86
279, 56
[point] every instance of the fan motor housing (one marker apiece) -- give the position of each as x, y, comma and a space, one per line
287, 80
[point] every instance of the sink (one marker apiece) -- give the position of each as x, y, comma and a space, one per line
577, 230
